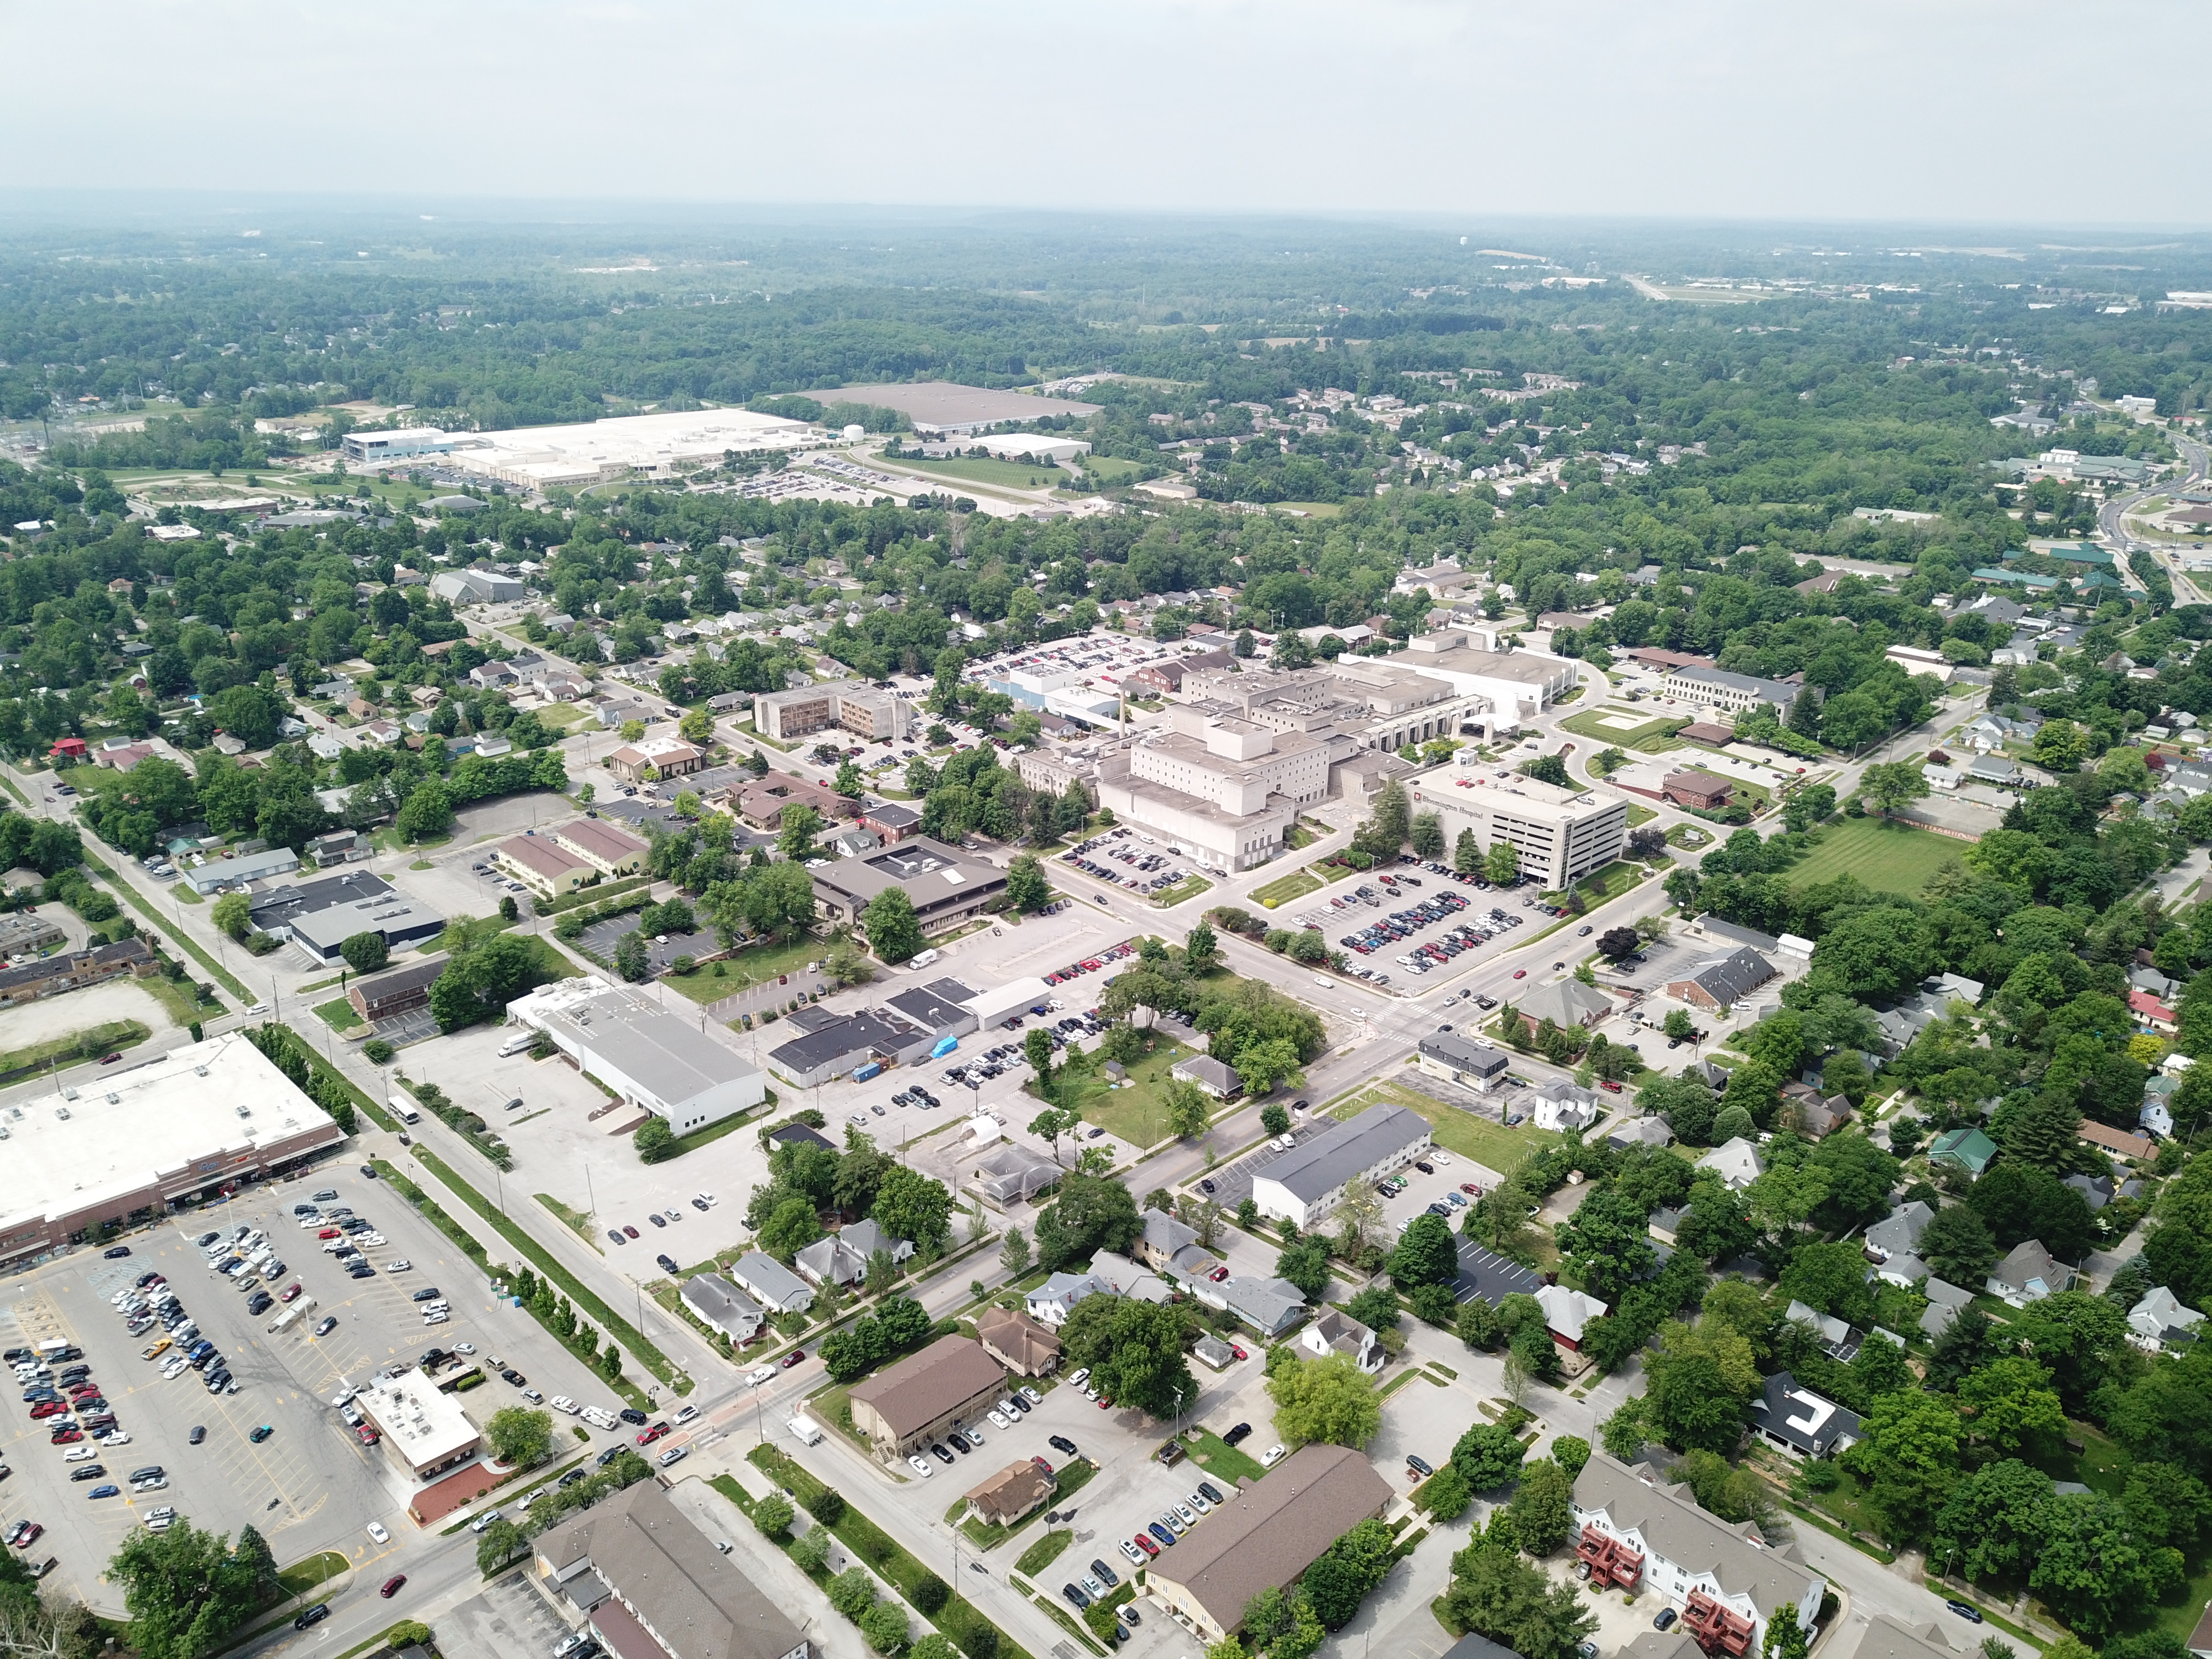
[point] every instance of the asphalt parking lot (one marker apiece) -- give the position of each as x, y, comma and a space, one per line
508, 1618
310, 1485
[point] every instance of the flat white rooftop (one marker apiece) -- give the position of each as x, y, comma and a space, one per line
184, 1116
588, 449
425, 1427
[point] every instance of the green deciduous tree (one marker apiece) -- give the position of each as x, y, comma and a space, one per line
1027, 890
654, 1141
1425, 1254
189, 1591
1328, 1399
894, 930
1488, 1456
1540, 1509
1495, 1594
520, 1437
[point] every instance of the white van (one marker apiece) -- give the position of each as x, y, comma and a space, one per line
809, 1432
922, 958
403, 1107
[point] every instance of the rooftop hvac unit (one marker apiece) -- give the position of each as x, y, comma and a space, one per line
199, 1071
114, 1099
69, 1094
243, 1111
3, 1132
62, 1112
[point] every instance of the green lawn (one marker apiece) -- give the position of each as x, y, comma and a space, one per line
1639, 815
118, 1034
1045, 1551
338, 1014
1018, 475
1688, 836
1111, 469
1591, 723
1189, 888
1491, 1145
755, 965
1226, 1464
1886, 855
1135, 1115
1284, 889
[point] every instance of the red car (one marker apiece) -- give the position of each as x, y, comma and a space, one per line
48, 1408
794, 1358
367, 1436
328, 1232
1237, 1352
1143, 1541
1520, 973
650, 1432
1105, 1402
1608, 1086
287, 1293
1218, 1275
1470, 1190
67, 1437
31, 1536
628, 1231
391, 1585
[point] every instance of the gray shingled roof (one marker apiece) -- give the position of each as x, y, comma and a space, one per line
1341, 1154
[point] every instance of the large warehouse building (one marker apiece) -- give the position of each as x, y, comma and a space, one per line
651, 1057
187, 1125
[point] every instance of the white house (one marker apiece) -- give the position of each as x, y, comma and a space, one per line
2160, 1321
1559, 1106
1736, 1161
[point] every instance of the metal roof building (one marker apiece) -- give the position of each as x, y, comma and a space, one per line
648, 1055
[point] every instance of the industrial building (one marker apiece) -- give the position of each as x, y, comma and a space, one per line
237, 870
652, 1058
596, 451
831, 1045
393, 446
1306, 1184
946, 885
1267, 1535
852, 706
425, 1431
648, 1584
1559, 834
183, 1127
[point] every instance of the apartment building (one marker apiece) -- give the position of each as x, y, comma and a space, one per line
1560, 834
852, 706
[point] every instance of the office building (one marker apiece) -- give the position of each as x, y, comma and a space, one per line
1559, 834
1718, 688
183, 1127
610, 851
853, 706
946, 886
543, 865
372, 447
652, 1058
396, 990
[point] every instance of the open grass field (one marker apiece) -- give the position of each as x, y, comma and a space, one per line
1491, 1144
1134, 1115
750, 967
1284, 889
1888, 856
1018, 474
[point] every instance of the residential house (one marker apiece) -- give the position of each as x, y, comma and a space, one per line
1798, 1422
1945, 1303
1015, 1491
1557, 1106
1903, 1271
1814, 1115
1736, 1161
2151, 1013
1270, 1306
1333, 1331
1017, 1342
1965, 1149
1640, 1132
1212, 1077
723, 1307
1898, 1232
1170, 1247
771, 1283
1051, 1303
1568, 1313
2160, 1323
1835, 1337
2028, 1273
842, 1257
2118, 1142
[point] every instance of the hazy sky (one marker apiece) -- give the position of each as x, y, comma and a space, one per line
1942, 110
